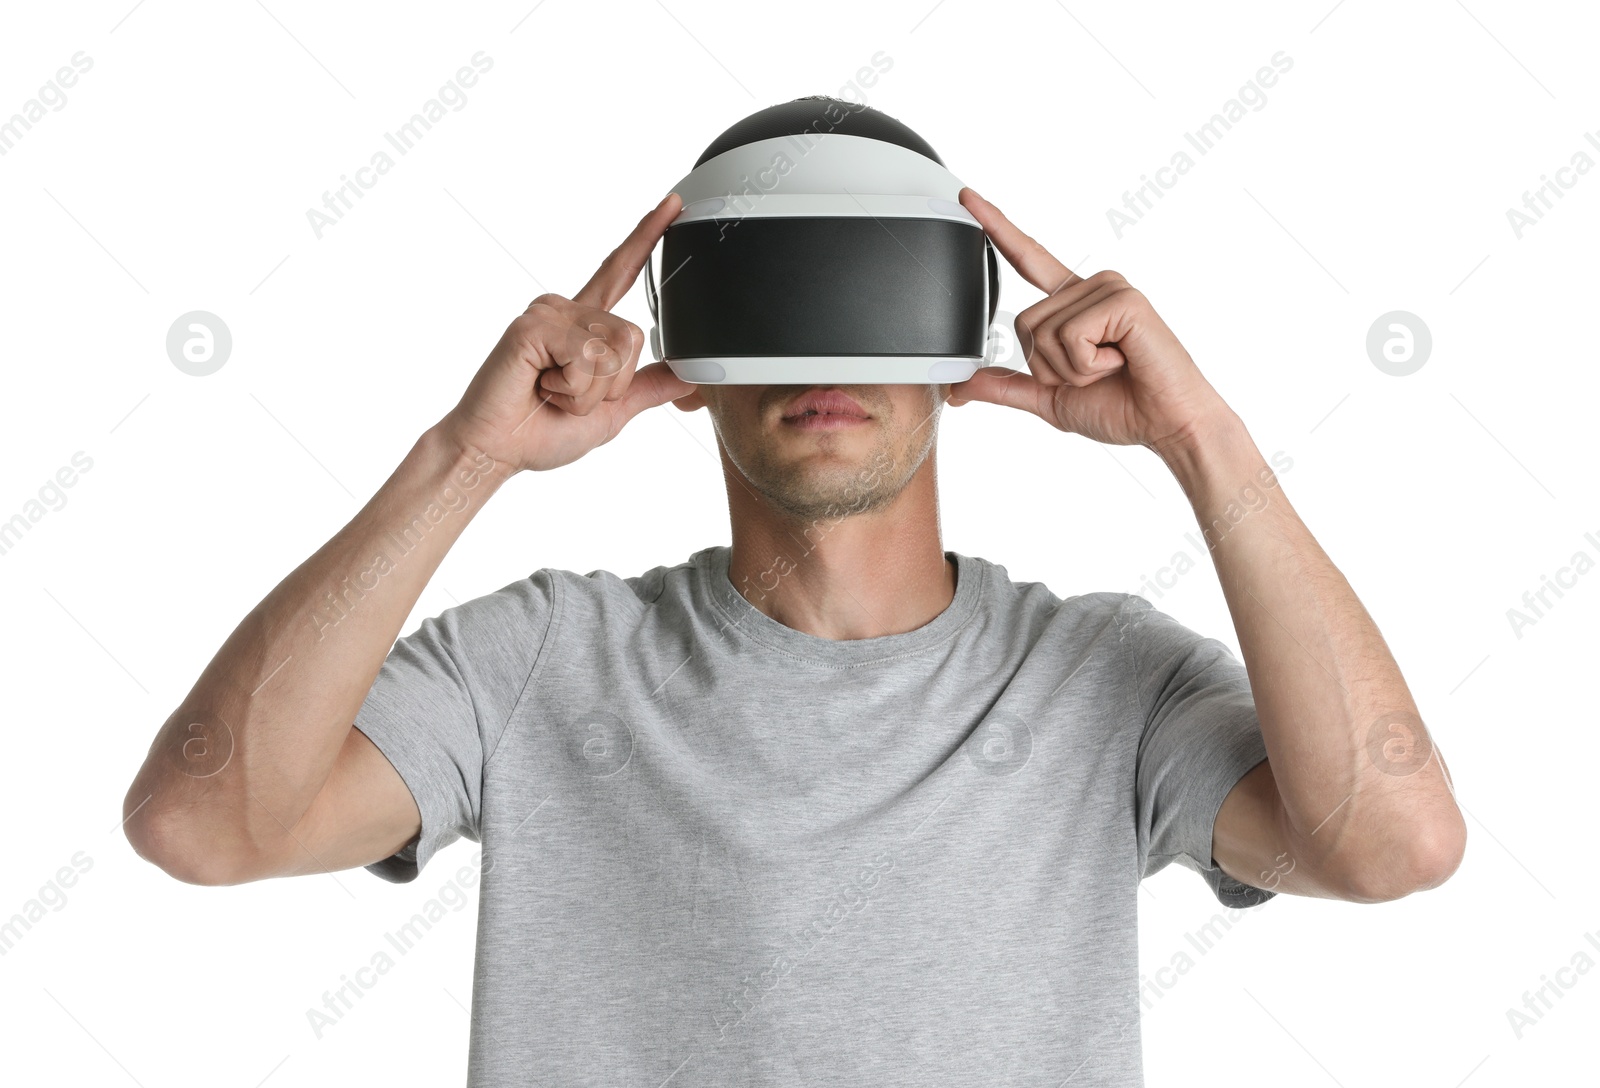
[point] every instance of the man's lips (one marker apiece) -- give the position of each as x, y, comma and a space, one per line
824, 402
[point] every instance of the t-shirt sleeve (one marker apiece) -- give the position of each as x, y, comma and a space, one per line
441, 702
1201, 735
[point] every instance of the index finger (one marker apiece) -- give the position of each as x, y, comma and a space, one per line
1024, 254
623, 265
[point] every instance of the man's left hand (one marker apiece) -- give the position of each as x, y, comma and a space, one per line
1103, 364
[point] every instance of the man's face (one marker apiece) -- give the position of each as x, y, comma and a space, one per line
825, 467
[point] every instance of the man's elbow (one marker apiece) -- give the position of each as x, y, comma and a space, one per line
1423, 861
174, 846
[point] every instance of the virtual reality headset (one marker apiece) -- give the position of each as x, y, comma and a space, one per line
820, 241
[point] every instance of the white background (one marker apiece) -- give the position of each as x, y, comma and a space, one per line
1376, 177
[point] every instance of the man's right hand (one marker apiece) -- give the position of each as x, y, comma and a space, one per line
284, 783
562, 379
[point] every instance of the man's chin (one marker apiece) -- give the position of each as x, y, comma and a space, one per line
834, 493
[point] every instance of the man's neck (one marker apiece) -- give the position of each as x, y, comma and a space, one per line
858, 578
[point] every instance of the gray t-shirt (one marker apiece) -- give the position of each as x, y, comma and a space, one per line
721, 851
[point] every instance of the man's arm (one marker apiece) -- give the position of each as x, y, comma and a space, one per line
260, 771
1354, 801
233, 786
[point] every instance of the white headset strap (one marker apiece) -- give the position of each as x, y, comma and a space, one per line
655, 311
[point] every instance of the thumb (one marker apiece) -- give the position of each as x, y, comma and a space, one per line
651, 387
1002, 385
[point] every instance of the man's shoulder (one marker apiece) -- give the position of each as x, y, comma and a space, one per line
603, 585
541, 590
1039, 597
1091, 615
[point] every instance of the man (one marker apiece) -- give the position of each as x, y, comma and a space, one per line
832, 803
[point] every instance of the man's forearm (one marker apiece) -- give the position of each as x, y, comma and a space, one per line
1363, 789
245, 753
